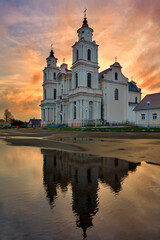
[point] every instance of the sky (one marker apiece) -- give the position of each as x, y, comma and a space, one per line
126, 29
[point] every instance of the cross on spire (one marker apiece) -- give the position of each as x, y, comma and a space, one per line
63, 60
51, 45
85, 10
115, 59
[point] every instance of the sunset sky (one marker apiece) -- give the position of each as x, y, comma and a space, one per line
128, 29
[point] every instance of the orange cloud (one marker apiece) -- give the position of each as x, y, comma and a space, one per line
36, 78
128, 29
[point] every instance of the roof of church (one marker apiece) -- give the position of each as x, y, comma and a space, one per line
154, 100
116, 64
133, 87
85, 23
104, 72
51, 53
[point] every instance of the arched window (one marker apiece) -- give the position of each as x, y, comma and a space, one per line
45, 94
116, 94
90, 110
45, 76
116, 76
44, 115
76, 75
89, 54
54, 93
74, 113
54, 76
77, 54
89, 80
135, 99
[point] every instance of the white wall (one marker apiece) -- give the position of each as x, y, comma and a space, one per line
153, 123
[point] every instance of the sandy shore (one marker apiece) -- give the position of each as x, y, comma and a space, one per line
131, 146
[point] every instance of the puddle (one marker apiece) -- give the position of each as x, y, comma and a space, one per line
50, 194
80, 139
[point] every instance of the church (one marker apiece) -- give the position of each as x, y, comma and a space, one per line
82, 95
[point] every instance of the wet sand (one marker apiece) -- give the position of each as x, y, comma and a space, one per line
131, 146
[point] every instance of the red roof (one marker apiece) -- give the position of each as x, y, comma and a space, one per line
154, 100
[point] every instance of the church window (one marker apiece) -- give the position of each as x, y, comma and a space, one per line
89, 80
61, 118
54, 93
89, 54
116, 76
54, 76
77, 55
135, 99
76, 80
116, 94
45, 94
90, 110
74, 110
45, 76
44, 115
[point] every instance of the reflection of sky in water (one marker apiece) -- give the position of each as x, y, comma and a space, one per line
54, 195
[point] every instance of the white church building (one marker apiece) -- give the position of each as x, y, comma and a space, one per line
82, 94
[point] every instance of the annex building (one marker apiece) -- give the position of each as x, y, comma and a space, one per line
83, 94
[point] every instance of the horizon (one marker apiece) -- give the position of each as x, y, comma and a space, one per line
128, 30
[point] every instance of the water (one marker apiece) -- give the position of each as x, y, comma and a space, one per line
76, 139
49, 194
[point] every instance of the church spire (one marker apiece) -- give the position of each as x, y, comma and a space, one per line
85, 23
51, 52
85, 10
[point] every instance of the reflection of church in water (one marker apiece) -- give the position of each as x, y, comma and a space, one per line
83, 172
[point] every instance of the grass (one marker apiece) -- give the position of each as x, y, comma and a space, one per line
110, 128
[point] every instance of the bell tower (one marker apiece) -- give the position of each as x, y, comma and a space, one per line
85, 58
85, 94
50, 79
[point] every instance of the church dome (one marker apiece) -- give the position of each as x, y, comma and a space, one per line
52, 54
85, 23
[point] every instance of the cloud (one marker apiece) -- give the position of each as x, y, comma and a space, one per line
21, 102
36, 78
128, 29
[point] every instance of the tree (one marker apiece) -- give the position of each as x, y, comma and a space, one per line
16, 123
8, 116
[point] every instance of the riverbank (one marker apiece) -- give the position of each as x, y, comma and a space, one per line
131, 146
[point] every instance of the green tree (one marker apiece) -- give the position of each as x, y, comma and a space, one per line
8, 116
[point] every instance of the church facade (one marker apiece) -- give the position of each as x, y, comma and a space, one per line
83, 95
